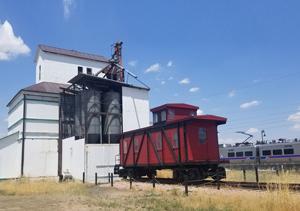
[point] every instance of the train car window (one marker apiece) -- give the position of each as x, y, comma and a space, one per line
163, 116
239, 154
266, 152
171, 114
89, 71
158, 142
202, 135
288, 151
155, 118
175, 140
248, 153
277, 151
230, 154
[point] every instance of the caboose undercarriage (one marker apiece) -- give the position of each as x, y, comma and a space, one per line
180, 173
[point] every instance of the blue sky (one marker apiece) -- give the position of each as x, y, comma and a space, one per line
238, 59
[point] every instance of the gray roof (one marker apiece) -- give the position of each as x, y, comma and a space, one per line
42, 87
72, 53
46, 87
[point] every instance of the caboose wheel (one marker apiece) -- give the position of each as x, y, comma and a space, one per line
193, 174
219, 174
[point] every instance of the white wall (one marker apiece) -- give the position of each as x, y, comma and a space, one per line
73, 157
42, 110
100, 158
135, 108
16, 128
78, 157
42, 126
10, 156
15, 115
41, 158
60, 69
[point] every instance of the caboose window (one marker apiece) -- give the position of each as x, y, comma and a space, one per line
171, 114
249, 153
202, 135
230, 154
239, 154
288, 151
163, 116
266, 152
277, 152
155, 118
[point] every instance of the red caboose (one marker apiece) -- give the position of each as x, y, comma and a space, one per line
179, 140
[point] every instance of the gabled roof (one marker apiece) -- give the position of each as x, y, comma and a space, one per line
218, 119
71, 53
175, 105
42, 87
46, 87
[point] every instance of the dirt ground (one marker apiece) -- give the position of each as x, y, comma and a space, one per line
141, 197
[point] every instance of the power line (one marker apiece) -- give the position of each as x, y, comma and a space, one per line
256, 84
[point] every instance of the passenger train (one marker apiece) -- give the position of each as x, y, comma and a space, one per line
274, 154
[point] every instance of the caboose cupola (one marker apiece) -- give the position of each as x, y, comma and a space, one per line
173, 111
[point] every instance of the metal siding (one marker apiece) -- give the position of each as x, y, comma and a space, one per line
42, 110
40, 158
135, 108
10, 156
73, 157
189, 147
100, 158
60, 68
15, 115
42, 126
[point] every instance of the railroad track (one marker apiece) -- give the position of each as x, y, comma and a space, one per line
234, 184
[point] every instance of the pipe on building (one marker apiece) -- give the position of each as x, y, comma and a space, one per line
23, 135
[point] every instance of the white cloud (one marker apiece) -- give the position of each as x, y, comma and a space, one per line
200, 112
170, 78
231, 93
10, 45
296, 127
227, 140
252, 130
153, 68
132, 63
194, 89
162, 82
256, 81
294, 117
68, 5
249, 104
170, 64
184, 81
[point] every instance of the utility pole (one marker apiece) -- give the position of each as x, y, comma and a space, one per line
263, 134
